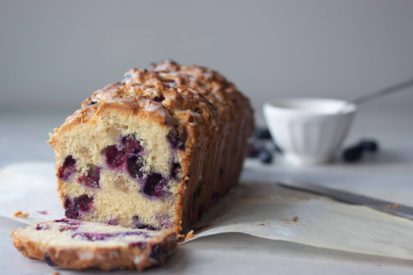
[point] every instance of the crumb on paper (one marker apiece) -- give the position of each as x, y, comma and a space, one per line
56, 273
21, 214
289, 220
42, 212
392, 205
189, 235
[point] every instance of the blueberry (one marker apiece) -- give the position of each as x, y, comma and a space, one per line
159, 98
70, 210
74, 206
164, 220
68, 228
91, 179
113, 221
114, 157
353, 154
68, 221
67, 169
175, 140
131, 144
134, 166
42, 226
139, 225
154, 185
84, 203
262, 133
265, 156
175, 169
156, 253
252, 151
48, 260
369, 145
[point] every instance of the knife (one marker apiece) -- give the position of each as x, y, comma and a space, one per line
355, 199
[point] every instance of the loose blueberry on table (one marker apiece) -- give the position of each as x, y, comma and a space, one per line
257, 146
260, 152
369, 145
262, 133
252, 151
265, 156
355, 153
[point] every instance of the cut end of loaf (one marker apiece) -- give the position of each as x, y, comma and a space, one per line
120, 167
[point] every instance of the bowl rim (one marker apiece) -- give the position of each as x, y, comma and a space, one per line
272, 105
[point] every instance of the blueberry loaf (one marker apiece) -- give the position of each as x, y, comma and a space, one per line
154, 150
75, 244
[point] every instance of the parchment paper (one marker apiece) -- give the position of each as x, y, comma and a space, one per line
264, 210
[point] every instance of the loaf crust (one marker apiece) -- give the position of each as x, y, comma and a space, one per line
87, 256
205, 109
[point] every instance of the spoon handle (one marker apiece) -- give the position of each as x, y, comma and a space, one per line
388, 90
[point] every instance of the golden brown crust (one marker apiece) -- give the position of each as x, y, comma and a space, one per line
111, 258
198, 103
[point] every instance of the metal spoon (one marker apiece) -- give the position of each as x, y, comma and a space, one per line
386, 91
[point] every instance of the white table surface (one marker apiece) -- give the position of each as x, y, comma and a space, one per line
23, 138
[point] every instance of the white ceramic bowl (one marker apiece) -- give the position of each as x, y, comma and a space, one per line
309, 130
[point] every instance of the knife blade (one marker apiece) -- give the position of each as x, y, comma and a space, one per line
388, 207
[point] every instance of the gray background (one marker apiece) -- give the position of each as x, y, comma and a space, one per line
53, 54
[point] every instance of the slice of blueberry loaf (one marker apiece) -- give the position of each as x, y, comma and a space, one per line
75, 244
154, 150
